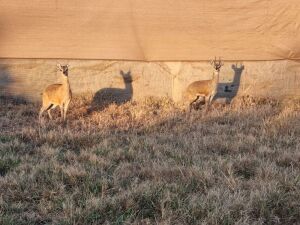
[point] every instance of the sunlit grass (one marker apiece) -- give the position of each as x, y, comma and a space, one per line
151, 162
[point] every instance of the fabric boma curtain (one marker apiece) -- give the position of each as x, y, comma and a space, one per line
151, 30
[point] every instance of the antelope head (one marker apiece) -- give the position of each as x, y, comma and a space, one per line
217, 64
64, 69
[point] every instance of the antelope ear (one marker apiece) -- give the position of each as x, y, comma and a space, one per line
59, 66
67, 65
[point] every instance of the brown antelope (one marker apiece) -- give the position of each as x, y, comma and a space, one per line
204, 90
57, 95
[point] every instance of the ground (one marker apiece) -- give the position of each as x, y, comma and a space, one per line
149, 162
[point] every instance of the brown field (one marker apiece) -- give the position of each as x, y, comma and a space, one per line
149, 162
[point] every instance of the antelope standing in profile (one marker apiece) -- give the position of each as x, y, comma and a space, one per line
57, 95
204, 90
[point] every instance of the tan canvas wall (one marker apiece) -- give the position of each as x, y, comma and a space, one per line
27, 78
150, 29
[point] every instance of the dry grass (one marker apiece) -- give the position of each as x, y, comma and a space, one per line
150, 163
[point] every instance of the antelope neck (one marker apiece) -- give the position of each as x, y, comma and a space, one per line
216, 76
65, 81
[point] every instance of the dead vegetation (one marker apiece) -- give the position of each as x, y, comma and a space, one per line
149, 162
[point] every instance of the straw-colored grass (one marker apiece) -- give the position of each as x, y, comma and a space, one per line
149, 162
